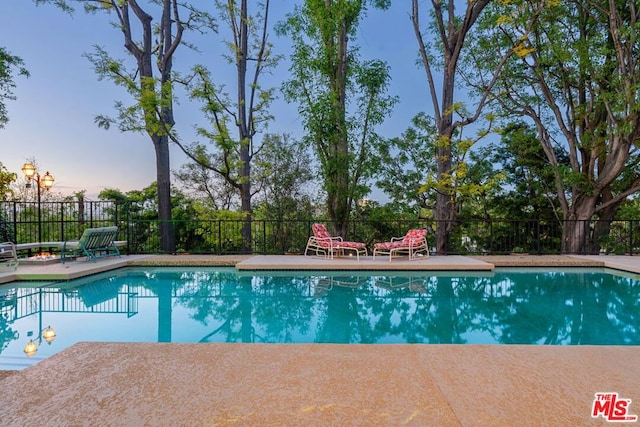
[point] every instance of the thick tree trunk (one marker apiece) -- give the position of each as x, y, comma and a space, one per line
575, 236
245, 196
444, 217
338, 204
602, 227
451, 31
245, 128
163, 176
576, 228
339, 222
144, 53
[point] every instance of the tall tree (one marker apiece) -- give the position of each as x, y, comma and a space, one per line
327, 78
251, 53
450, 32
9, 64
150, 82
576, 77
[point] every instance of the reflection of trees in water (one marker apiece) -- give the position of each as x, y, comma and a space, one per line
563, 308
423, 311
267, 309
445, 315
281, 313
625, 315
342, 312
7, 306
6, 333
510, 308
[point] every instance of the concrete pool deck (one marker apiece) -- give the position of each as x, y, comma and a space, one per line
125, 384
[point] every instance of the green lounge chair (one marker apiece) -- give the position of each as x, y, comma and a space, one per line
94, 243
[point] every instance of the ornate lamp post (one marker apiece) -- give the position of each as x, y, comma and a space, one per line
41, 182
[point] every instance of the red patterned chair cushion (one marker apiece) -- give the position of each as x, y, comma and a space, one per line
390, 245
350, 245
322, 235
325, 240
320, 231
413, 238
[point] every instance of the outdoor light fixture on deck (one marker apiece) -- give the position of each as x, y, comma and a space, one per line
29, 170
47, 334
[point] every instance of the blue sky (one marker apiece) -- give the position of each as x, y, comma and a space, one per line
53, 117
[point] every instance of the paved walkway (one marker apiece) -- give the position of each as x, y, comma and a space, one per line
434, 263
116, 384
125, 384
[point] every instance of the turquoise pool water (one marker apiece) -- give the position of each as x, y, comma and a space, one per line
570, 307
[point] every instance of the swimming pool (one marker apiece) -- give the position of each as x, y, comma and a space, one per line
205, 304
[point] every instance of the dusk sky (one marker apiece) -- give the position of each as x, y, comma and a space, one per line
53, 117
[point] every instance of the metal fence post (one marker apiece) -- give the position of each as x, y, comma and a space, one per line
15, 222
128, 218
264, 236
630, 237
62, 222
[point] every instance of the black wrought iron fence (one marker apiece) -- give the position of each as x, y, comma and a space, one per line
59, 221
24, 222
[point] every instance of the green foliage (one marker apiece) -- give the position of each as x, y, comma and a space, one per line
234, 122
630, 209
528, 191
328, 79
6, 232
376, 223
284, 175
6, 180
141, 206
575, 76
152, 98
62, 4
9, 66
408, 170
208, 229
404, 162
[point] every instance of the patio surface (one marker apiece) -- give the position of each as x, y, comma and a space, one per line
278, 262
124, 384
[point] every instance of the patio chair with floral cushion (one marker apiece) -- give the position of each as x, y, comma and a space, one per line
411, 244
326, 246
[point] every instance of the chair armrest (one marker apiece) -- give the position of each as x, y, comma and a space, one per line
70, 244
416, 242
7, 246
329, 239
